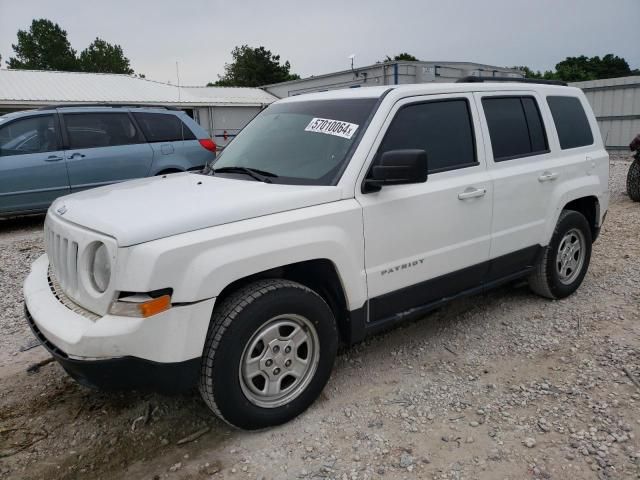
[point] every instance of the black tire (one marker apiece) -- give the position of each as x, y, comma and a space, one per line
234, 324
545, 279
633, 181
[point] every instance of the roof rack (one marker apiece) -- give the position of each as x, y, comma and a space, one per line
114, 105
510, 79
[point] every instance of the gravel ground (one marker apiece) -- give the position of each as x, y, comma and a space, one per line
500, 386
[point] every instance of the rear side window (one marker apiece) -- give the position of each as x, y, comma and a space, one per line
442, 128
515, 127
571, 122
29, 135
93, 130
162, 127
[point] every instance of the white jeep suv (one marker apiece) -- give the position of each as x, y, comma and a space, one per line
330, 217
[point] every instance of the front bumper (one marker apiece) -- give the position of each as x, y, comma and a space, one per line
124, 373
113, 351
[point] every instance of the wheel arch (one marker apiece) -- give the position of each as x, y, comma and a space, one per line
580, 195
589, 206
320, 275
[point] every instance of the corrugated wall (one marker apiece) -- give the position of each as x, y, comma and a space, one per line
616, 104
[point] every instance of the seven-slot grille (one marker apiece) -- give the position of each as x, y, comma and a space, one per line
63, 257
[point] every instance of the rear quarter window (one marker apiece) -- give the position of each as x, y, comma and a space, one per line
163, 127
571, 122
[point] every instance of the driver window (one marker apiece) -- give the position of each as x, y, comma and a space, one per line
29, 135
442, 128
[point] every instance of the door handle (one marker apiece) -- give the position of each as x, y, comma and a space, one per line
53, 158
76, 155
471, 192
547, 176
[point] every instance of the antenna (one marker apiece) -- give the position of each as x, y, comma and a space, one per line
178, 77
352, 58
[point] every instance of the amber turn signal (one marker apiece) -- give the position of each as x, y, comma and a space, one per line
155, 306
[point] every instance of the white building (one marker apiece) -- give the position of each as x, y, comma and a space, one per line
390, 73
222, 111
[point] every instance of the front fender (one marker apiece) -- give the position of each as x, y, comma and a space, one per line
200, 264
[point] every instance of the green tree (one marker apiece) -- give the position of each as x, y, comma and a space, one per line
102, 57
43, 47
529, 73
583, 68
577, 69
404, 56
254, 67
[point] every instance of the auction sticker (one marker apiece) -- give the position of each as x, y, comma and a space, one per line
332, 127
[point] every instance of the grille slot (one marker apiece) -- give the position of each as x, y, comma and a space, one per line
63, 256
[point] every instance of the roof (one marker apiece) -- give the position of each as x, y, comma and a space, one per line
37, 87
427, 89
398, 62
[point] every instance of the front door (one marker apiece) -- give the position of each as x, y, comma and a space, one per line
427, 241
32, 167
103, 148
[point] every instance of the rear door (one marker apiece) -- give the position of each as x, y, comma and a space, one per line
32, 167
524, 172
175, 146
104, 147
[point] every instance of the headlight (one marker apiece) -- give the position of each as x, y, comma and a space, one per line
100, 268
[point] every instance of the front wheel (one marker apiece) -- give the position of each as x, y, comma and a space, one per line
633, 181
268, 354
563, 264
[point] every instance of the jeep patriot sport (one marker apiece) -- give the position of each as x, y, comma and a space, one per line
330, 217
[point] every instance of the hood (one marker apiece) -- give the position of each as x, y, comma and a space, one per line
142, 210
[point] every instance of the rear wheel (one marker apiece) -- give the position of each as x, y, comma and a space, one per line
633, 181
269, 353
564, 262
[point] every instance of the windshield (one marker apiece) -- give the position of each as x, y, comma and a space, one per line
299, 142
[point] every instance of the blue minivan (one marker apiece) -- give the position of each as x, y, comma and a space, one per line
53, 151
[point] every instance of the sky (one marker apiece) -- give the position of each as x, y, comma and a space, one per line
319, 37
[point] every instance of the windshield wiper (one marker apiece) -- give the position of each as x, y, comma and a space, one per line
260, 175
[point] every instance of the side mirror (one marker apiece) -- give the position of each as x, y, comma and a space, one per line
397, 167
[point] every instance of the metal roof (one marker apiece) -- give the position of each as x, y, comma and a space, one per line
482, 66
37, 87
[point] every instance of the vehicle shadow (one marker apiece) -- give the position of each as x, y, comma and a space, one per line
16, 224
